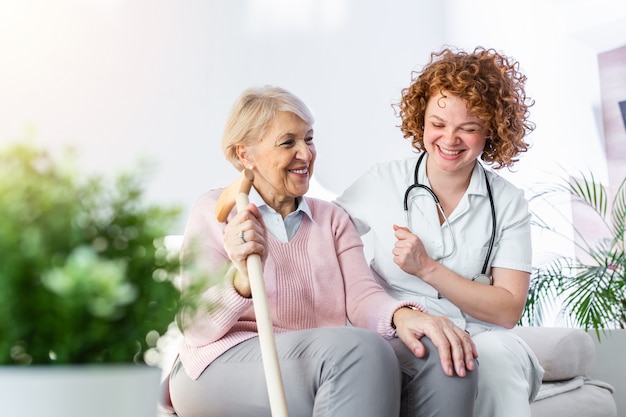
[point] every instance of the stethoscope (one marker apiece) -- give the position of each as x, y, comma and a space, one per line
481, 278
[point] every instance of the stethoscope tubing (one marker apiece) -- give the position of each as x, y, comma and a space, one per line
416, 184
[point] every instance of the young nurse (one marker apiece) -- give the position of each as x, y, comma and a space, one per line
450, 233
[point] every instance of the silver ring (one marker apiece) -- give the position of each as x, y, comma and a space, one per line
243, 240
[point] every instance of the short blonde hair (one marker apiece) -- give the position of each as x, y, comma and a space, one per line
253, 112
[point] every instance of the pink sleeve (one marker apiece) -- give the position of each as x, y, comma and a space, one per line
205, 265
368, 304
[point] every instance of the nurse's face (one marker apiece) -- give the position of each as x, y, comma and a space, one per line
282, 161
453, 138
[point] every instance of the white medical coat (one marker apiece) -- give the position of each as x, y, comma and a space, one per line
375, 203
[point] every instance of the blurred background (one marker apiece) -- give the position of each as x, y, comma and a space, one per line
128, 80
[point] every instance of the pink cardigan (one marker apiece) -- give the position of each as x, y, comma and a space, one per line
318, 279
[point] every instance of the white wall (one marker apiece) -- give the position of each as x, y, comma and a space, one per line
124, 79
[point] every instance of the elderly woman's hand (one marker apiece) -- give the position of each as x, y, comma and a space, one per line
455, 346
244, 235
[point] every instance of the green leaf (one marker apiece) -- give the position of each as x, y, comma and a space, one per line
79, 255
590, 287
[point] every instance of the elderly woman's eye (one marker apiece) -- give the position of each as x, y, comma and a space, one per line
309, 139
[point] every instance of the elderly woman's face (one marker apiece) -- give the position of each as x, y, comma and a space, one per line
283, 159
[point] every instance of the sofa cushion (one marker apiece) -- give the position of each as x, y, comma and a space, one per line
563, 352
550, 389
586, 401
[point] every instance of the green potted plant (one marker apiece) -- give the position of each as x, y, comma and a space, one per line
591, 284
85, 279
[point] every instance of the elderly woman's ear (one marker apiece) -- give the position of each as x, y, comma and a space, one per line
242, 154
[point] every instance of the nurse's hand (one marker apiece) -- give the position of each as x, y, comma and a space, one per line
409, 252
455, 346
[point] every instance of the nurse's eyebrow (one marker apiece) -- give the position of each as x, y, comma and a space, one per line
472, 123
439, 119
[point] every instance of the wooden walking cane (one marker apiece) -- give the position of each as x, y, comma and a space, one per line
237, 193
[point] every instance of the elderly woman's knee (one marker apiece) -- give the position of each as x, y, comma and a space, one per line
361, 344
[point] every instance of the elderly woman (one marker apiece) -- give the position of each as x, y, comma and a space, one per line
317, 281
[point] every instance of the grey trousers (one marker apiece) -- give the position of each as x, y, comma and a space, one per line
427, 391
338, 372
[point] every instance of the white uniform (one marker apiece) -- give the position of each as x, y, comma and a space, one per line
376, 202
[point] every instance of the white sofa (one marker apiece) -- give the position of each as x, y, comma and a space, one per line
567, 355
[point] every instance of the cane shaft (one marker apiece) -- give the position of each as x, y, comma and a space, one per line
273, 377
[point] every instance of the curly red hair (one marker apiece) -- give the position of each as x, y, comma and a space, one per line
491, 85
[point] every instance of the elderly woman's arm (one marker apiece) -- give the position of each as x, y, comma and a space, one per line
212, 305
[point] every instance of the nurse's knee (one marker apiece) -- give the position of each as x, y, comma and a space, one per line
500, 356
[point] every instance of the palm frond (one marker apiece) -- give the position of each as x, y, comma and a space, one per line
586, 191
589, 293
590, 191
543, 291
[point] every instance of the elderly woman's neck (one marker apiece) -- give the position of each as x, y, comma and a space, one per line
283, 206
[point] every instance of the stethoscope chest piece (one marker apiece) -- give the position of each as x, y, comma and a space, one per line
483, 279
